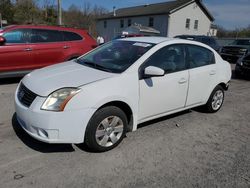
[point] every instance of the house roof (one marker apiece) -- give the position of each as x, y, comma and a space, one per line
154, 9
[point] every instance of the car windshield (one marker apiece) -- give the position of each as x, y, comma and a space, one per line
115, 56
242, 42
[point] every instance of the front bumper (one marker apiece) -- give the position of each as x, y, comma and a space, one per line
53, 127
242, 70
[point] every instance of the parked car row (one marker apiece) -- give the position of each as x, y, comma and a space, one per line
236, 50
210, 41
26, 47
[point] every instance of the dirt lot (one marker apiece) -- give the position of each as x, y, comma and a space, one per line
206, 150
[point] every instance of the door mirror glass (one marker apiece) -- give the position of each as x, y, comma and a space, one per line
2, 40
153, 71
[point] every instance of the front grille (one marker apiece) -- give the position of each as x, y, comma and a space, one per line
25, 96
234, 50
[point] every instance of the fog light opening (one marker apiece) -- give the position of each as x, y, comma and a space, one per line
42, 133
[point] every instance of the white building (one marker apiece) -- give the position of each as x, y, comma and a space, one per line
171, 18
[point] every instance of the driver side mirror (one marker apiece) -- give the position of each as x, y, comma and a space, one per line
153, 71
2, 40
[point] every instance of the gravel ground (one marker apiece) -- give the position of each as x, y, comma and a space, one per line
205, 150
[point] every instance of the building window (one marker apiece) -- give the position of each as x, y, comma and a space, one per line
121, 23
187, 23
105, 24
151, 22
196, 22
129, 22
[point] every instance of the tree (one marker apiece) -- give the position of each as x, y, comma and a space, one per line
7, 10
26, 11
49, 12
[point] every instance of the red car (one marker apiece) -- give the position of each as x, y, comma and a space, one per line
26, 47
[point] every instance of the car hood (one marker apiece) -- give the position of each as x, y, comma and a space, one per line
69, 74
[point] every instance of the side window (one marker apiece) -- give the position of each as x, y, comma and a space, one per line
44, 35
19, 36
199, 56
70, 36
151, 22
170, 58
121, 23
187, 26
129, 22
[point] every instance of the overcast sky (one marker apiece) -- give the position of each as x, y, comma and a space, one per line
230, 14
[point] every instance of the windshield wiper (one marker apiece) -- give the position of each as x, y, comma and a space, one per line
97, 66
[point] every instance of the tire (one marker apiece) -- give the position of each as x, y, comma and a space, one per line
106, 129
237, 74
215, 100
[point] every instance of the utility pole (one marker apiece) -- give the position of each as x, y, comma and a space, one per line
59, 12
1, 25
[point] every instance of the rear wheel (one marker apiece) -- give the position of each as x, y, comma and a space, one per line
106, 129
215, 100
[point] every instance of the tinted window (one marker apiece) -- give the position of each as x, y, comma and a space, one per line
199, 56
17, 36
70, 36
242, 42
205, 40
44, 35
170, 58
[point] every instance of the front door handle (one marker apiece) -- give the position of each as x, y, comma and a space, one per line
182, 81
212, 72
28, 49
65, 47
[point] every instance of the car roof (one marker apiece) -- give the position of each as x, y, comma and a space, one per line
153, 40
60, 28
158, 40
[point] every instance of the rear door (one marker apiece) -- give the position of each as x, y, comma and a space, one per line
203, 75
15, 54
47, 46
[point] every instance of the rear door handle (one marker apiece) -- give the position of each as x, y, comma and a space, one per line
28, 49
65, 47
182, 81
212, 72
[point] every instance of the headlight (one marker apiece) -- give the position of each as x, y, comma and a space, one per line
58, 99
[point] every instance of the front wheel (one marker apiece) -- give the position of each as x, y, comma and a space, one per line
215, 100
106, 129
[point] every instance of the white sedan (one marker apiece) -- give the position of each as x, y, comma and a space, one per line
100, 96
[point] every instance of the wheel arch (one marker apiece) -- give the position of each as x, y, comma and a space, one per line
125, 108
223, 85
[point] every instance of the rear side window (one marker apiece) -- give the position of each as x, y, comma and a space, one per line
199, 56
17, 36
44, 35
70, 36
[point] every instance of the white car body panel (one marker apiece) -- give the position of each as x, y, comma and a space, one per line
172, 87
184, 90
57, 76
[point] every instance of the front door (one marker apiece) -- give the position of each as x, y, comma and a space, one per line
159, 95
15, 54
